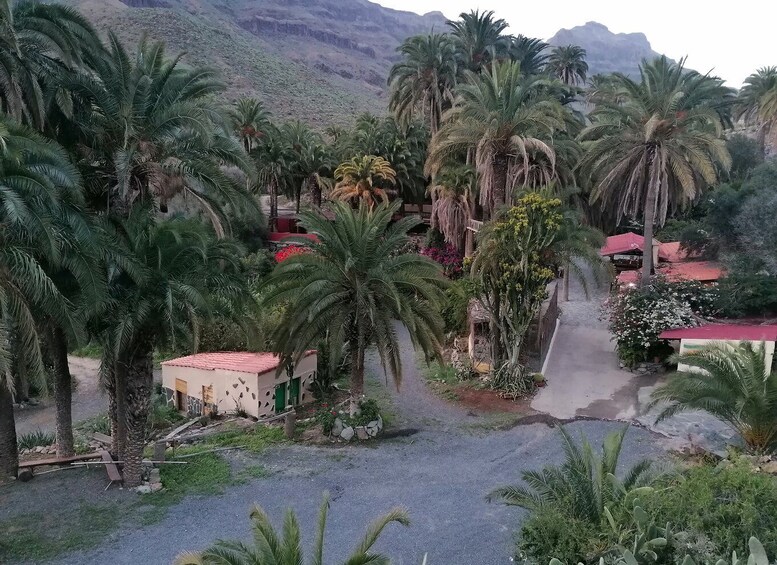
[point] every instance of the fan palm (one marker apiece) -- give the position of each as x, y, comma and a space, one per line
181, 275
478, 38
757, 101
655, 144
34, 172
355, 283
284, 548
734, 384
153, 132
507, 118
38, 44
424, 80
584, 485
567, 63
360, 180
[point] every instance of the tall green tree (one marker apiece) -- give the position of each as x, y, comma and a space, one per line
39, 44
250, 121
273, 160
356, 284
311, 161
507, 119
423, 82
453, 198
364, 180
529, 52
479, 39
655, 144
33, 174
757, 102
567, 63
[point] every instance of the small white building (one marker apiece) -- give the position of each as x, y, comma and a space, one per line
227, 381
694, 339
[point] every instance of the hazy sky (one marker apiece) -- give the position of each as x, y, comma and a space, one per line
730, 37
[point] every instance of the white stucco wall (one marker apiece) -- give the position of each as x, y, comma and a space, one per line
694, 345
253, 393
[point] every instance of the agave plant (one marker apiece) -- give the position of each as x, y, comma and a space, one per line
273, 548
585, 484
733, 384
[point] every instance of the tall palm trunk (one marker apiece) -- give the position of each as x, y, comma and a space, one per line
140, 370
316, 189
273, 204
356, 347
63, 392
499, 188
9, 450
649, 217
114, 372
566, 282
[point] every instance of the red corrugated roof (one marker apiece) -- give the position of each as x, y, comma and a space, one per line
733, 332
624, 243
242, 362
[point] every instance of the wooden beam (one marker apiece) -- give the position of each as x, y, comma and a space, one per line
58, 461
110, 467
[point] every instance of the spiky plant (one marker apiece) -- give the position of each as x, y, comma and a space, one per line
250, 121
479, 39
360, 180
354, 286
567, 63
733, 384
271, 547
584, 484
757, 102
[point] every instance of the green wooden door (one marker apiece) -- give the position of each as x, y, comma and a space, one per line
294, 392
280, 398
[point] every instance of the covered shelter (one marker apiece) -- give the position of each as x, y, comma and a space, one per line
625, 250
705, 272
227, 381
694, 339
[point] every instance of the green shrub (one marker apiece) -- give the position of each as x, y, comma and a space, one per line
726, 505
551, 533
38, 438
454, 308
100, 423
162, 415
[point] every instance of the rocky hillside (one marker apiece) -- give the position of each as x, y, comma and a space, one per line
608, 52
320, 61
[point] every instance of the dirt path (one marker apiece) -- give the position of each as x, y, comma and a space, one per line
88, 399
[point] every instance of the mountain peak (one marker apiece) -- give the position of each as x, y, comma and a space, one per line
608, 52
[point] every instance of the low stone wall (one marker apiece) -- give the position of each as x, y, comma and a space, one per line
342, 432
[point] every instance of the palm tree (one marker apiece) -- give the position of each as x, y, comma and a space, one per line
284, 548
152, 132
181, 275
529, 53
757, 102
452, 202
39, 43
584, 485
576, 248
250, 121
734, 384
423, 81
310, 161
655, 143
355, 283
34, 172
273, 159
359, 180
479, 39
506, 117
567, 63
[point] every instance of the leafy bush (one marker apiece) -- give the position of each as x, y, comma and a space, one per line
448, 257
326, 416
638, 315
727, 505
369, 411
744, 293
162, 415
551, 533
100, 423
38, 438
454, 309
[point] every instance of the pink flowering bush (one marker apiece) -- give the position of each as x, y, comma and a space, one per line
448, 256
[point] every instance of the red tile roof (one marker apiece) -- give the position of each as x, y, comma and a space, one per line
672, 252
242, 362
280, 236
702, 271
734, 332
623, 243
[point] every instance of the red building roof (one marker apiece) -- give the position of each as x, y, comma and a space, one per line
734, 332
702, 271
242, 362
281, 236
624, 243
